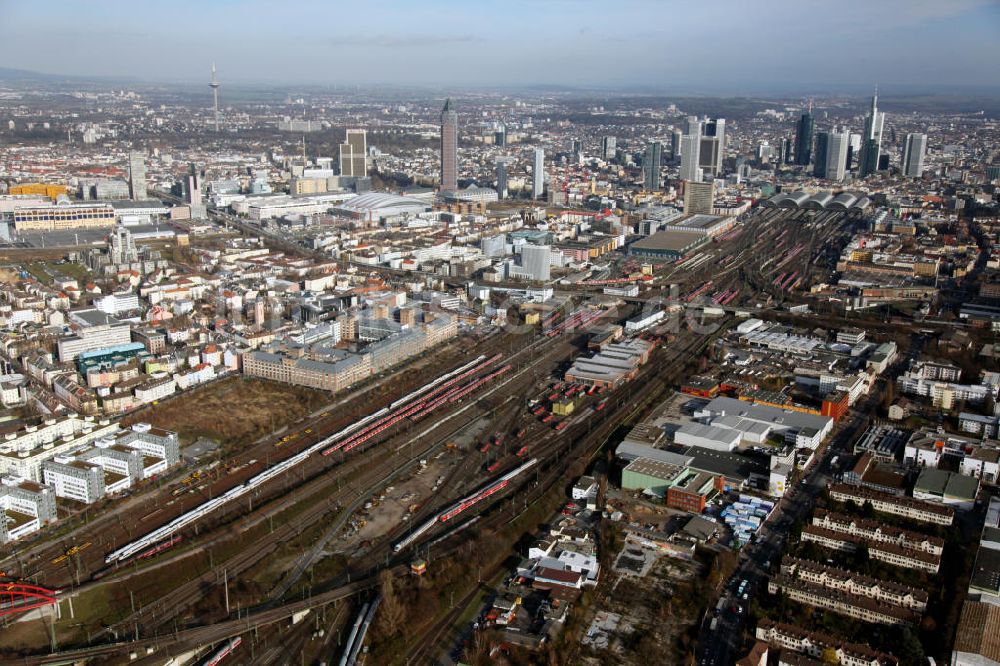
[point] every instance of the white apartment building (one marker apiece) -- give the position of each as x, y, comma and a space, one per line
22, 453
157, 389
93, 338
25, 507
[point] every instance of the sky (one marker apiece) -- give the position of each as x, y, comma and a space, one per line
656, 44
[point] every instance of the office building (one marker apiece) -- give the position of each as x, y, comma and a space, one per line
137, 175
819, 164
690, 150
92, 338
785, 152
914, 150
449, 147
830, 160
577, 151
609, 147
501, 187
712, 146
836, 155
538, 174
804, 139
871, 141
535, 261
699, 198
675, 145
353, 154
290, 125
500, 136
651, 165
63, 215
493, 246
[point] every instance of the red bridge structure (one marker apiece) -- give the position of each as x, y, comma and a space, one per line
17, 598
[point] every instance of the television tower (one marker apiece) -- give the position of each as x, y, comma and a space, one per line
214, 85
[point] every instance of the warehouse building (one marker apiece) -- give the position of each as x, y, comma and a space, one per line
706, 436
799, 428
702, 224
652, 477
613, 365
938, 485
667, 245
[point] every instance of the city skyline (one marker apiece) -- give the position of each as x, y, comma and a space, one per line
450, 43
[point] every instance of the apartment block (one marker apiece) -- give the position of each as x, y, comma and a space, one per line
841, 580
926, 512
890, 553
813, 644
843, 603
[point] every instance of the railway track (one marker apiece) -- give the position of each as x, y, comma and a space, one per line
579, 440
171, 604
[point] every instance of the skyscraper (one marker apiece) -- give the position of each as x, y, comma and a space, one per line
502, 178
609, 147
819, 161
690, 150
836, 155
538, 174
137, 175
214, 85
871, 141
804, 139
712, 147
577, 151
651, 165
449, 147
500, 136
830, 159
675, 145
914, 150
353, 154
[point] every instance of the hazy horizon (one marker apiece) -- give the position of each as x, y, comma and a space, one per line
771, 45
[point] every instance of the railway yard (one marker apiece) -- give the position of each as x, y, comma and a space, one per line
278, 545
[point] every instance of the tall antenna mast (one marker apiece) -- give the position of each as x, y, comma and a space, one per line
214, 85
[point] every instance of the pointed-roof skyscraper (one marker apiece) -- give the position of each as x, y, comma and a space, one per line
449, 147
871, 142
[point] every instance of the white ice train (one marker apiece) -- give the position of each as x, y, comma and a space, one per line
490, 489
227, 649
185, 519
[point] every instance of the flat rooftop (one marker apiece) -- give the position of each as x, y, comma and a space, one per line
675, 241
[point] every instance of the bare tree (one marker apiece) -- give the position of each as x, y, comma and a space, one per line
390, 609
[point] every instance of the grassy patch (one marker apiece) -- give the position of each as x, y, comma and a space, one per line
233, 410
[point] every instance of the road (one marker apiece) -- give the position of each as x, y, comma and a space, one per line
725, 645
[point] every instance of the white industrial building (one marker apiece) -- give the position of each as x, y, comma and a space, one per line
707, 436
752, 432
803, 429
